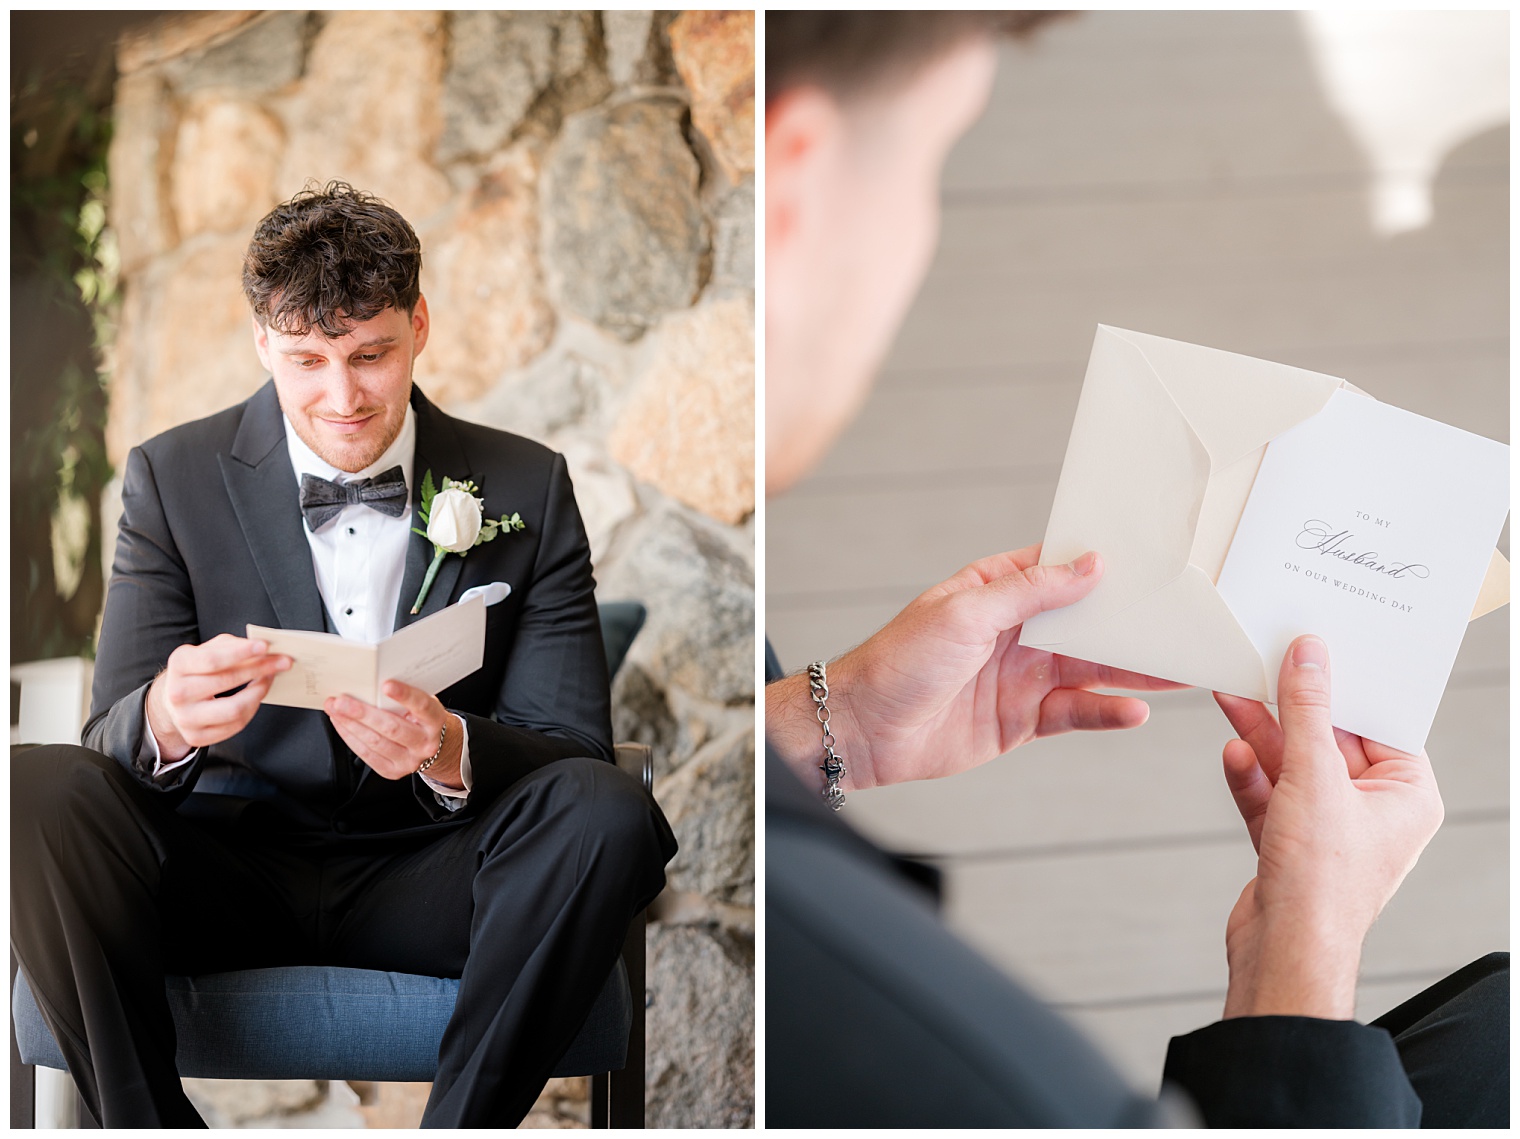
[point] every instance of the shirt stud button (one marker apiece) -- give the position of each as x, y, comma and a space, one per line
350, 529
348, 612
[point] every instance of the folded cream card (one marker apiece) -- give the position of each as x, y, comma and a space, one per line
1169, 444
1371, 527
430, 654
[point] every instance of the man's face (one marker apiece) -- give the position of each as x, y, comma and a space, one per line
852, 220
347, 397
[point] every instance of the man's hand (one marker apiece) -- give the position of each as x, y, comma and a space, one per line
1337, 822
183, 706
396, 744
945, 686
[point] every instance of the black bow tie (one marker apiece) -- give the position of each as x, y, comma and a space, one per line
322, 501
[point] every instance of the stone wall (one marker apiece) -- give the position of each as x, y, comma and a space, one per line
583, 184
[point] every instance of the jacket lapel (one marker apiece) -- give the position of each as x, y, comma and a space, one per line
265, 496
439, 451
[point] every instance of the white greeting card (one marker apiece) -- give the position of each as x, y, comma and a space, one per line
1371, 527
429, 654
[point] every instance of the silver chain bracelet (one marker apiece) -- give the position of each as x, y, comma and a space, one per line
443, 734
832, 765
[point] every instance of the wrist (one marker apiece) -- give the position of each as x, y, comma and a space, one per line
792, 729
1295, 971
172, 747
445, 770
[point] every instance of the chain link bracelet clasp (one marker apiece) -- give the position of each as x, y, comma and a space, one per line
833, 765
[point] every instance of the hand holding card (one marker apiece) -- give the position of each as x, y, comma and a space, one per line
1371, 527
1336, 821
429, 654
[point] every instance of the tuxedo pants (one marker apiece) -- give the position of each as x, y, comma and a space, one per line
527, 904
1453, 1040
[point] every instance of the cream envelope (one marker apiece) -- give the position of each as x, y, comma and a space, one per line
1166, 444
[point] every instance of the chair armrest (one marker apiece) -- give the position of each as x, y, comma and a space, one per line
638, 761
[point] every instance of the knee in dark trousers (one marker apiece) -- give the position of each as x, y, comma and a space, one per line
564, 859
42, 769
56, 783
1473, 1029
597, 811
77, 819
1453, 1039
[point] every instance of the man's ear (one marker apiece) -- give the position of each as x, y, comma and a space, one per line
261, 343
420, 326
803, 130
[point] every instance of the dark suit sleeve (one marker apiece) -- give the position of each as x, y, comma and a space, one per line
150, 611
555, 699
1293, 1071
878, 1016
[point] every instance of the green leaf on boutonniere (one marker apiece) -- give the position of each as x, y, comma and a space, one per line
428, 491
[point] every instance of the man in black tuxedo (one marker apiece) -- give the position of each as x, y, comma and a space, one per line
481, 833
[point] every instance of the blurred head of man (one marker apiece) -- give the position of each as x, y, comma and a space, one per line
332, 277
861, 110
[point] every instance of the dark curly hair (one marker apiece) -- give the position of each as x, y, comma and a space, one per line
853, 53
331, 258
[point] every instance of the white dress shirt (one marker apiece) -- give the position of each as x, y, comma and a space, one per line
359, 558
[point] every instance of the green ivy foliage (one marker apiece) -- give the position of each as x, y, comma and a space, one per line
64, 272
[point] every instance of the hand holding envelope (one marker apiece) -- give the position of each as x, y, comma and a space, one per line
1163, 461
945, 685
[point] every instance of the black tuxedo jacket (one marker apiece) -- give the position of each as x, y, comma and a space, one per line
212, 539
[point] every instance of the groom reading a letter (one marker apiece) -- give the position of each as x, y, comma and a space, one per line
480, 833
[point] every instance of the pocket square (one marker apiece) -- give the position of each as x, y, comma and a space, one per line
493, 592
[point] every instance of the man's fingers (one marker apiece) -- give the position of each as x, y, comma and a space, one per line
1354, 749
1303, 701
1249, 786
195, 687
1077, 710
414, 700
240, 706
996, 566
384, 755
1084, 674
373, 741
220, 652
405, 734
1256, 725
212, 721
1015, 597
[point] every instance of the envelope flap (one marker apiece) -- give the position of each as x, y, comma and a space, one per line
1234, 403
1495, 591
1183, 632
1131, 487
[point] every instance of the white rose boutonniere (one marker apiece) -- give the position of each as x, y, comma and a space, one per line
456, 524
453, 522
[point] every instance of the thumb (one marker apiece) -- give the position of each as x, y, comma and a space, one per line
1303, 701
